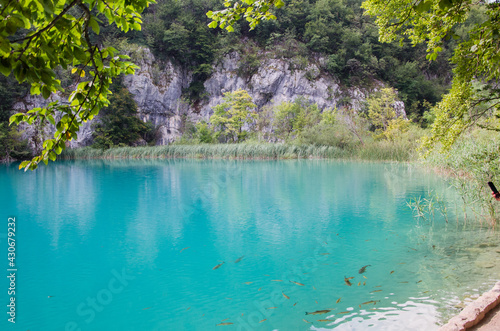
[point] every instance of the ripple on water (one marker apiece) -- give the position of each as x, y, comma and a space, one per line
312, 222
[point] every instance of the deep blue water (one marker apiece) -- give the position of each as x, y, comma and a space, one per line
134, 245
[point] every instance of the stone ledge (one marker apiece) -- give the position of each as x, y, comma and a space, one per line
474, 312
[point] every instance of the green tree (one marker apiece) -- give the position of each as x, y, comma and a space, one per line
203, 133
382, 114
254, 11
37, 37
354, 122
432, 26
396, 127
327, 21
476, 56
331, 130
381, 108
291, 118
232, 115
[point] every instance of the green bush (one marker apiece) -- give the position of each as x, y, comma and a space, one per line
231, 116
328, 135
291, 118
203, 133
471, 163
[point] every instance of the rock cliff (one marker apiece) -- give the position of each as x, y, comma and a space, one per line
158, 87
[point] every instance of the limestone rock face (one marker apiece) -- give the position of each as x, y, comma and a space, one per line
273, 83
158, 86
157, 89
35, 134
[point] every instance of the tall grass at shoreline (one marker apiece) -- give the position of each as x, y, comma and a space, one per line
471, 163
374, 151
224, 151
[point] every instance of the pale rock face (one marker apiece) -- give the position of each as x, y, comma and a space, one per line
273, 83
157, 88
47, 131
399, 108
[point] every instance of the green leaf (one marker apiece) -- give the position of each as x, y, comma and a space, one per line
48, 6
24, 164
48, 144
46, 77
45, 92
431, 56
38, 5
51, 119
423, 6
94, 25
35, 89
4, 69
10, 27
5, 46
445, 4
16, 118
79, 54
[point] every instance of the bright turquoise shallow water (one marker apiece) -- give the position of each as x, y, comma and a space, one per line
132, 245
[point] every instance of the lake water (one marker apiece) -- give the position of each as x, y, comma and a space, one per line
196, 245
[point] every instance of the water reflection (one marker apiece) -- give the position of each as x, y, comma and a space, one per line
170, 222
57, 196
420, 316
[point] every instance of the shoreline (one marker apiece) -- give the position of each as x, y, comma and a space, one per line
476, 311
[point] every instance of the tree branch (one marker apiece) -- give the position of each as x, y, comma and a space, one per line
39, 32
7, 5
51, 24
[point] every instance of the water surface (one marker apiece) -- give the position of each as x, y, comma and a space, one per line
134, 245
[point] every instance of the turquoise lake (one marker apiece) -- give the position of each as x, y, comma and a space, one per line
200, 244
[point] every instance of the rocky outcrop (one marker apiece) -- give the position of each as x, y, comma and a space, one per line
158, 87
475, 312
274, 82
35, 134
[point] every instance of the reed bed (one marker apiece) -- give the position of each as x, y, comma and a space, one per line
399, 150
390, 152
